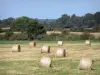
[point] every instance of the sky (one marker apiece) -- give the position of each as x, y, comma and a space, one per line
47, 9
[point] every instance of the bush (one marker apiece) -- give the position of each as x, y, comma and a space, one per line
8, 35
73, 37
1, 30
65, 32
2, 37
54, 37
87, 35
20, 36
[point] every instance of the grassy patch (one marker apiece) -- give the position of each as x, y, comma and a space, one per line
25, 42
59, 67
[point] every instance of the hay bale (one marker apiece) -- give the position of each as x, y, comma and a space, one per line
61, 52
60, 43
45, 62
32, 44
88, 42
16, 48
45, 49
85, 63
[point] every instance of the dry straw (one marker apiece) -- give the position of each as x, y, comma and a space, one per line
60, 52
60, 43
16, 48
45, 62
32, 44
45, 49
85, 63
88, 42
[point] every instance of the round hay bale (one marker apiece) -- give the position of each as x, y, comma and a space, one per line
45, 62
61, 52
45, 49
60, 43
32, 44
16, 48
88, 42
85, 63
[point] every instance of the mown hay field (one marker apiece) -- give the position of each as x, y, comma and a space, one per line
26, 62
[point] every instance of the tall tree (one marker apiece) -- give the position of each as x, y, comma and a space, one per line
20, 24
97, 17
34, 29
88, 20
7, 21
63, 20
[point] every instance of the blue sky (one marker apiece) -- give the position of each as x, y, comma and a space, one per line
47, 9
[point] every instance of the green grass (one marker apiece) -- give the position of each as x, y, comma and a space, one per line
25, 42
12, 42
59, 67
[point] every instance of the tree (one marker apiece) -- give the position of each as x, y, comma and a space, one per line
97, 17
0, 22
7, 21
88, 20
1, 30
63, 21
20, 24
34, 30
8, 34
76, 21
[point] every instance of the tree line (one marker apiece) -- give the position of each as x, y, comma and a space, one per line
25, 25
76, 23
36, 28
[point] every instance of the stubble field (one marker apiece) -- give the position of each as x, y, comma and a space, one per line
26, 62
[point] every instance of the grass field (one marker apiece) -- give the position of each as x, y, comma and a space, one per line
26, 62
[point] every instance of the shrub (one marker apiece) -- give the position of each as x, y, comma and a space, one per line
54, 37
2, 37
87, 35
73, 37
20, 36
65, 32
1, 30
7, 35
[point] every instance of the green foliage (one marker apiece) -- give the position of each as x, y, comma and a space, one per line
8, 34
73, 37
68, 37
87, 35
1, 30
65, 32
2, 37
72, 21
97, 17
54, 37
20, 24
7, 21
77, 29
20, 36
35, 29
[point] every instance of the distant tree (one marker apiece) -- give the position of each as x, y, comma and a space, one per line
20, 24
7, 21
63, 20
76, 21
8, 34
34, 30
1, 30
97, 17
88, 20
0, 22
